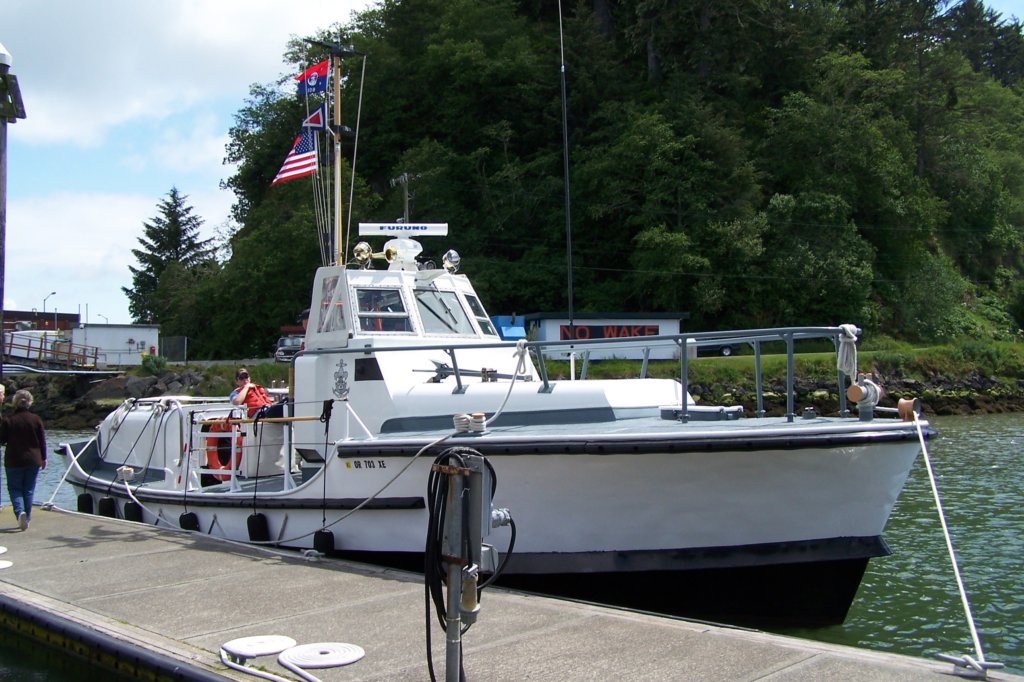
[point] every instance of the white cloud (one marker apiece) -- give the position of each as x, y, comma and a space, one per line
81, 246
77, 244
85, 68
196, 146
147, 87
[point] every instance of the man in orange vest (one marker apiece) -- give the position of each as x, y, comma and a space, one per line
254, 397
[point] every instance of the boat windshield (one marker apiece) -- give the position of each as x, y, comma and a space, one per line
382, 310
442, 313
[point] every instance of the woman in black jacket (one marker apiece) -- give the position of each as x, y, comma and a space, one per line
25, 437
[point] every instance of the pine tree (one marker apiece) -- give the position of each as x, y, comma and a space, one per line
170, 237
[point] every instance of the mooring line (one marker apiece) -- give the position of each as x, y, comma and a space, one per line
979, 665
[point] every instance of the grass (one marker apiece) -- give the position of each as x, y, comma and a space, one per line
952, 361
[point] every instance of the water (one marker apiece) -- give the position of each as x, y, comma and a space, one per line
49, 478
908, 603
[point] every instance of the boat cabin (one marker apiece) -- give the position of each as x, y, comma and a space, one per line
409, 301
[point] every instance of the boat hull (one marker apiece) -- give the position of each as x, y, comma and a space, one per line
797, 591
750, 536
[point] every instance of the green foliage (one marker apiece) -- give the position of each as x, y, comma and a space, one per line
153, 365
751, 163
219, 379
988, 358
931, 303
822, 266
1016, 305
170, 239
881, 342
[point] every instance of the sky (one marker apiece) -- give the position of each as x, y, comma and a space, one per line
126, 99
1007, 8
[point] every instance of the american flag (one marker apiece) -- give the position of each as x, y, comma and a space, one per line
301, 160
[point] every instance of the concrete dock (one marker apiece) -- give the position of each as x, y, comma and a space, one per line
158, 604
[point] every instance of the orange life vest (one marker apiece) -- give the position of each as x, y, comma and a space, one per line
257, 397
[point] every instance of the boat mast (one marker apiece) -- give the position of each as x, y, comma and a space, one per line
337, 52
339, 256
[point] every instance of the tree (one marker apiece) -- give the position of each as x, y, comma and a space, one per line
749, 161
171, 237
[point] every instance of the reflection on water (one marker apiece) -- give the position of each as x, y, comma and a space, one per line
908, 602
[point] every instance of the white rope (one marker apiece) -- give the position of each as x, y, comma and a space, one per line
319, 655
359, 506
979, 664
521, 353
234, 654
251, 671
237, 652
157, 518
846, 360
74, 462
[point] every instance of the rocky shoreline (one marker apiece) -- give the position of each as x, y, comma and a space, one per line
78, 403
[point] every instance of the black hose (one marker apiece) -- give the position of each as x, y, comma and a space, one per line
434, 572
504, 562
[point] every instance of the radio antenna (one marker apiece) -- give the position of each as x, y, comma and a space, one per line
565, 172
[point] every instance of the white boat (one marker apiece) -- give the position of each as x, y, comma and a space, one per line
622, 491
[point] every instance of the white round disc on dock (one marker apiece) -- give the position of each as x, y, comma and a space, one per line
2, 550
259, 645
6, 564
321, 655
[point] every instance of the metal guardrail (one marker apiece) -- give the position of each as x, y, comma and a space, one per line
541, 349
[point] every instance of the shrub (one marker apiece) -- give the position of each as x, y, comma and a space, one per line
153, 365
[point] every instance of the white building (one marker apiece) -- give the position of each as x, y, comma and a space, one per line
119, 345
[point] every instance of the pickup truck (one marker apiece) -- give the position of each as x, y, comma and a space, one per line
287, 347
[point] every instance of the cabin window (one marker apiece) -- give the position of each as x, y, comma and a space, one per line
442, 313
382, 310
331, 316
481, 316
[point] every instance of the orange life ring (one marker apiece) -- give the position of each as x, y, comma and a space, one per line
218, 451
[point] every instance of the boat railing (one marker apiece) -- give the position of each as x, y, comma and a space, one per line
228, 473
543, 351
753, 337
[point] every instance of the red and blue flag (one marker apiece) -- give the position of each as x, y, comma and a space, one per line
313, 79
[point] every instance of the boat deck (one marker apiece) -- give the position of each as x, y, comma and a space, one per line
645, 434
167, 600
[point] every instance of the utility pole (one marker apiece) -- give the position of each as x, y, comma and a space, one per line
11, 109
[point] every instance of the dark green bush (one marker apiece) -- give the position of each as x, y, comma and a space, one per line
153, 365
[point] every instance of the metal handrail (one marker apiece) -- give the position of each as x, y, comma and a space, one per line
540, 349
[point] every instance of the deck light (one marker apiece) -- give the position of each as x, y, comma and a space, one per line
362, 253
451, 261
